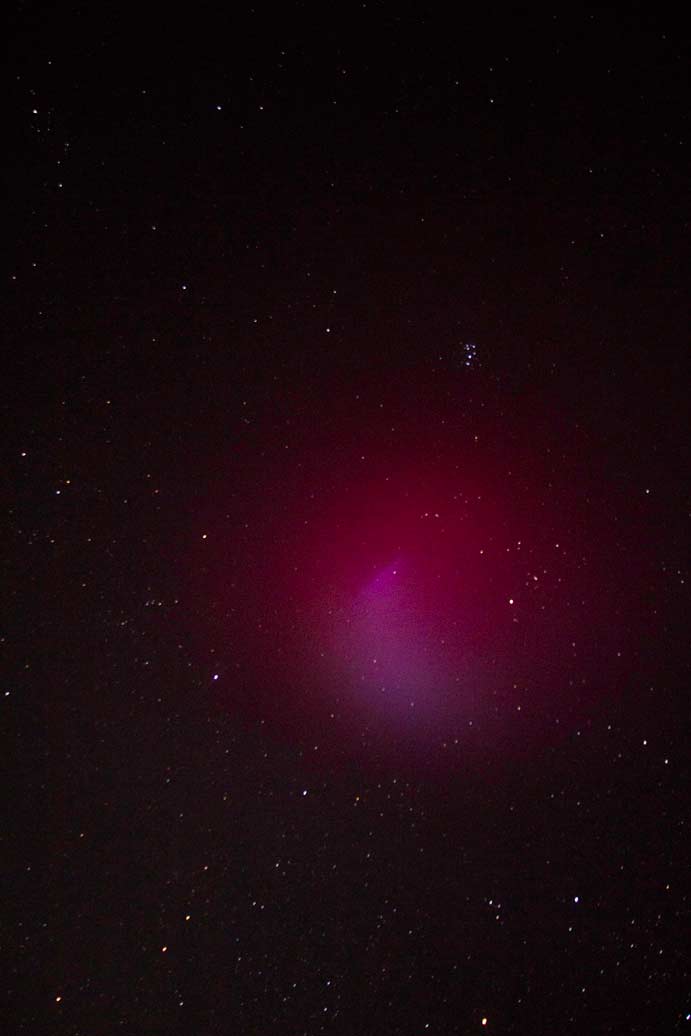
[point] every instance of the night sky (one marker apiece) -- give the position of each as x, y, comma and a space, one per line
344, 396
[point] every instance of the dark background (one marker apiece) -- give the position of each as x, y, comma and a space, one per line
194, 199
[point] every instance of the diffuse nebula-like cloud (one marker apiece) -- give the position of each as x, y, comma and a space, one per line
428, 578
